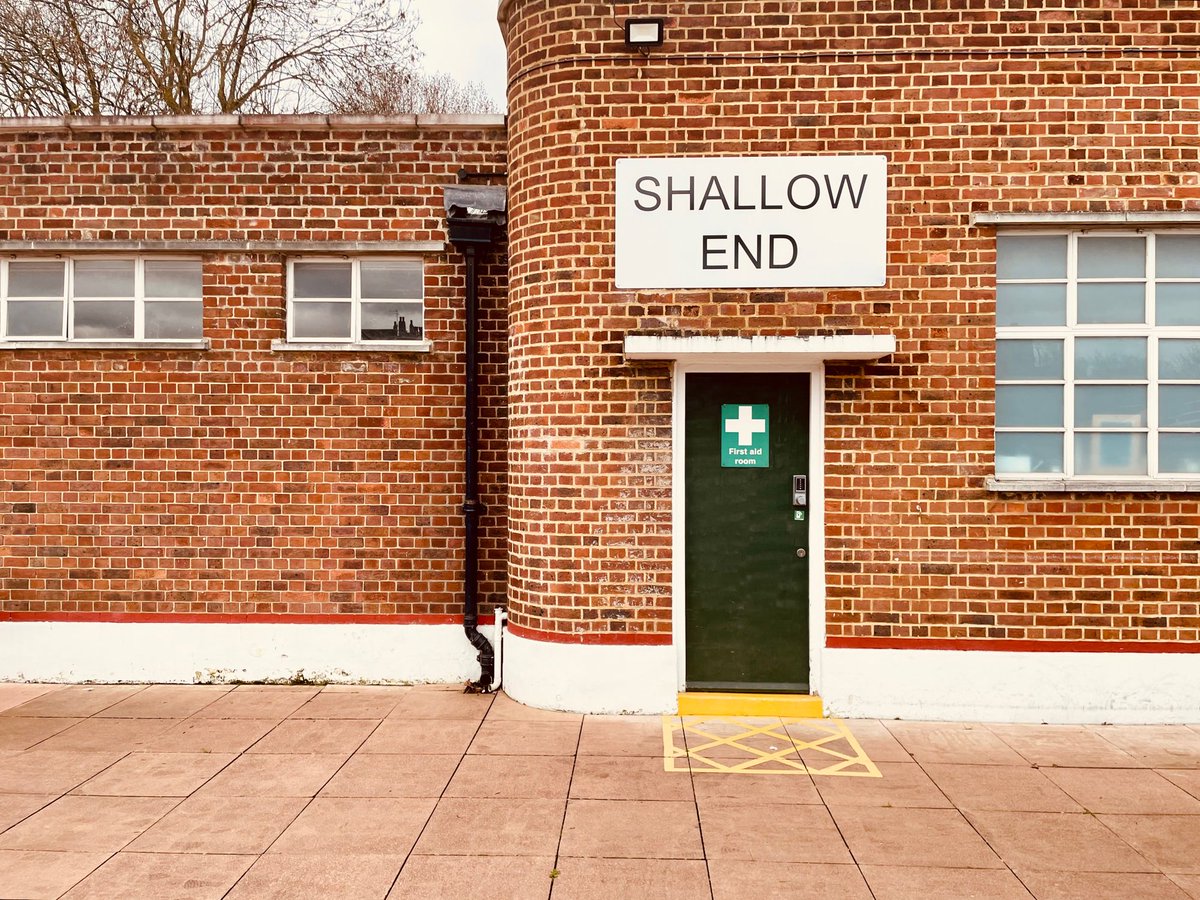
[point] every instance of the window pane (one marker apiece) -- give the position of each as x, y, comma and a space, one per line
103, 277
321, 320
1108, 453
1031, 304
96, 319
1029, 360
167, 321
1036, 452
173, 278
36, 318
1179, 406
1179, 452
1177, 304
391, 279
1179, 360
1112, 257
1031, 256
321, 279
392, 322
37, 279
1112, 302
1110, 406
1110, 359
1177, 255
1032, 406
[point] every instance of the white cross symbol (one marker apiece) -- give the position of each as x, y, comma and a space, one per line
745, 426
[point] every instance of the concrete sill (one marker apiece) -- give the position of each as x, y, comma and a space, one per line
1092, 486
352, 347
203, 344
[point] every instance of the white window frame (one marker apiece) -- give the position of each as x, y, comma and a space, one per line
354, 341
66, 337
1071, 330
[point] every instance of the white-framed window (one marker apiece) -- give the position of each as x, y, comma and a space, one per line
1098, 355
101, 299
356, 301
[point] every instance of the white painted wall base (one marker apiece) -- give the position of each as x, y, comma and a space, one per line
993, 686
219, 652
590, 678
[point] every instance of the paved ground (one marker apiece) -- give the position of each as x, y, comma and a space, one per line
265, 792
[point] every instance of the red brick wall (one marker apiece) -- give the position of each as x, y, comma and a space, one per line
1015, 106
240, 480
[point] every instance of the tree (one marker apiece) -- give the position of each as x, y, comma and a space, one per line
137, 57
394, 90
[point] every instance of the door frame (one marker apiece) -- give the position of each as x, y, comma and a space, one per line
816, 505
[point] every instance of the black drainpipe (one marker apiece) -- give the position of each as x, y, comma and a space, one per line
475, 216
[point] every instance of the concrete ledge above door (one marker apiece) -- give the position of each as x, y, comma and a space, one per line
729, 350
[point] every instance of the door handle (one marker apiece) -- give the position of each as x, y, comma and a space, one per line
801, 553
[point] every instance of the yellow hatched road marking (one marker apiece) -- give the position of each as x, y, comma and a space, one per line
793, 746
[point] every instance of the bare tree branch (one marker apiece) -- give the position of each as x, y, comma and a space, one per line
391, 90
73, 57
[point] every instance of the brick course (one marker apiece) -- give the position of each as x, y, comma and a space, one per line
979, 106
240, 481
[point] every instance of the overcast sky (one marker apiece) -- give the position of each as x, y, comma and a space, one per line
461, 37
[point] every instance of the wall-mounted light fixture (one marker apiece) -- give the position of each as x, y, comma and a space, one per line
641, 33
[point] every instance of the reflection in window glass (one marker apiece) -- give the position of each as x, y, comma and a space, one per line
1177, 303
1177, 256
174, 320
36, 318
1028, 453
103, 319
102, 299
37, 279
1031, 304
173, 278
1112, 257
1120, 302
392, 279
1110, 405
321, 279
384, 301
1031, 256
1029, 406
391, 322
315, 319
1110, 359
1179, 453
1179, 406
1121, 346
104, 277
1110, 453
1179, 360
1029, 360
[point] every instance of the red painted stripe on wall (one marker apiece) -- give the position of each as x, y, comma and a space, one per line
244, 618
1011, 646
639, 638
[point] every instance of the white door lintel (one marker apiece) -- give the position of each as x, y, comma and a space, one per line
801, 350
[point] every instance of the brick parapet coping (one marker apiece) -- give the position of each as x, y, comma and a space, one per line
250, 123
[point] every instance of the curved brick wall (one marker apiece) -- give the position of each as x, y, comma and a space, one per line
979, 106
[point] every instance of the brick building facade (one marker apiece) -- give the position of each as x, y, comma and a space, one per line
999, 517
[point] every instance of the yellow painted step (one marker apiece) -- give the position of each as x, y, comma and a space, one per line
797, 706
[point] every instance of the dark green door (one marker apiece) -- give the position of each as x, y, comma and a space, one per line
745, 441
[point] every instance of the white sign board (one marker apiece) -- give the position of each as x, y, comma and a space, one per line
750, 222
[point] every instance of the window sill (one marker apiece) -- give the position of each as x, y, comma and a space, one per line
202, 344
349, 347
1093, 486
